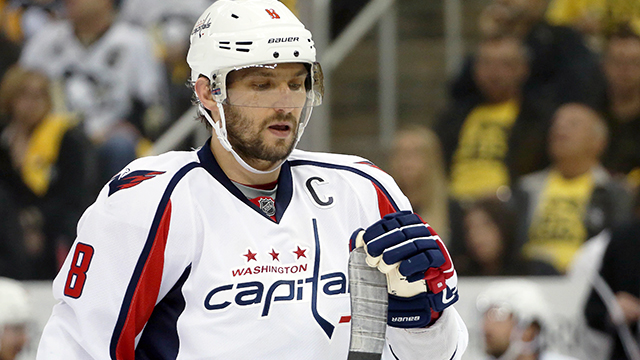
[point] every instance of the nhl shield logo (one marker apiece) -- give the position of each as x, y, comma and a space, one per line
267, 206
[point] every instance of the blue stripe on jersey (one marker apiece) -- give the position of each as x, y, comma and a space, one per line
159, 340
324, 324
283, 194
454, 353
397, 358
144, 255
351, 169
394, 354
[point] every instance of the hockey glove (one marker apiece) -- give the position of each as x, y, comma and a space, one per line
420, 275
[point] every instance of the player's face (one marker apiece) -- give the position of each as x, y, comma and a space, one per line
263, 123
269, 138
497, 327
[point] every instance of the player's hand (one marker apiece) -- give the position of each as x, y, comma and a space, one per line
421, 279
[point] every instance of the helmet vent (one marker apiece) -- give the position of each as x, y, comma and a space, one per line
243, 43
235, 16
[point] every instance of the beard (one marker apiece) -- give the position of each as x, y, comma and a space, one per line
248, 141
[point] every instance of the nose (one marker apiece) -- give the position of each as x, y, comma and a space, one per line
286, 98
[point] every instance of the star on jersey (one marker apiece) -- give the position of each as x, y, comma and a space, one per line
274, 255
250, 256
300, 253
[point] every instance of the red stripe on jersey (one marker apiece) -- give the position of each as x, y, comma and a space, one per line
146, 293
384, 203
369, 163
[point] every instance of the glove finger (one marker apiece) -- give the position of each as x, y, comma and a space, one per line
415, 231
426, 244
396, 214
415, 277
380, 228
435, 257
397, 285
372, 261
399, 252
416, 264
354, 242
378, 245
408, 249
408, 218
420, 263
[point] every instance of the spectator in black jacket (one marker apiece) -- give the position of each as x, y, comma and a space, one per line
622, 69
44, 166
12, 250
621, 271
563, 69
492, 137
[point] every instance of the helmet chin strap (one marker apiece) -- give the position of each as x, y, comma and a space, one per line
221, 133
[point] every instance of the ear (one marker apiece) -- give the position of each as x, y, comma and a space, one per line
203, 91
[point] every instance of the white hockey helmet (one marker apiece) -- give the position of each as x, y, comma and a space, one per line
521, 298
236, 34
14, 305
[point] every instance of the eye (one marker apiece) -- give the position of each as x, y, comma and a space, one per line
295, 86
261, 85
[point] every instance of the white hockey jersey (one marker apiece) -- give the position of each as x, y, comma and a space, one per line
172, 261
102, 81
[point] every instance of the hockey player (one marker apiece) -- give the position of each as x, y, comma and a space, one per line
515, 321
14, 318
240, 249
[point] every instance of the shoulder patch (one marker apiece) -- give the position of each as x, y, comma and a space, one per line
128, 180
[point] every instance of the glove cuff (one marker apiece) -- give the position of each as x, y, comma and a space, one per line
411, 312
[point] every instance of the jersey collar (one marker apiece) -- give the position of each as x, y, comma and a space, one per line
283, 194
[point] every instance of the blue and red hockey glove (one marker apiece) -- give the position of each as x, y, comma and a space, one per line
421, 280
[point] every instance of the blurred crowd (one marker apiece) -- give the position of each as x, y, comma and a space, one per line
86, 87
533, 168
